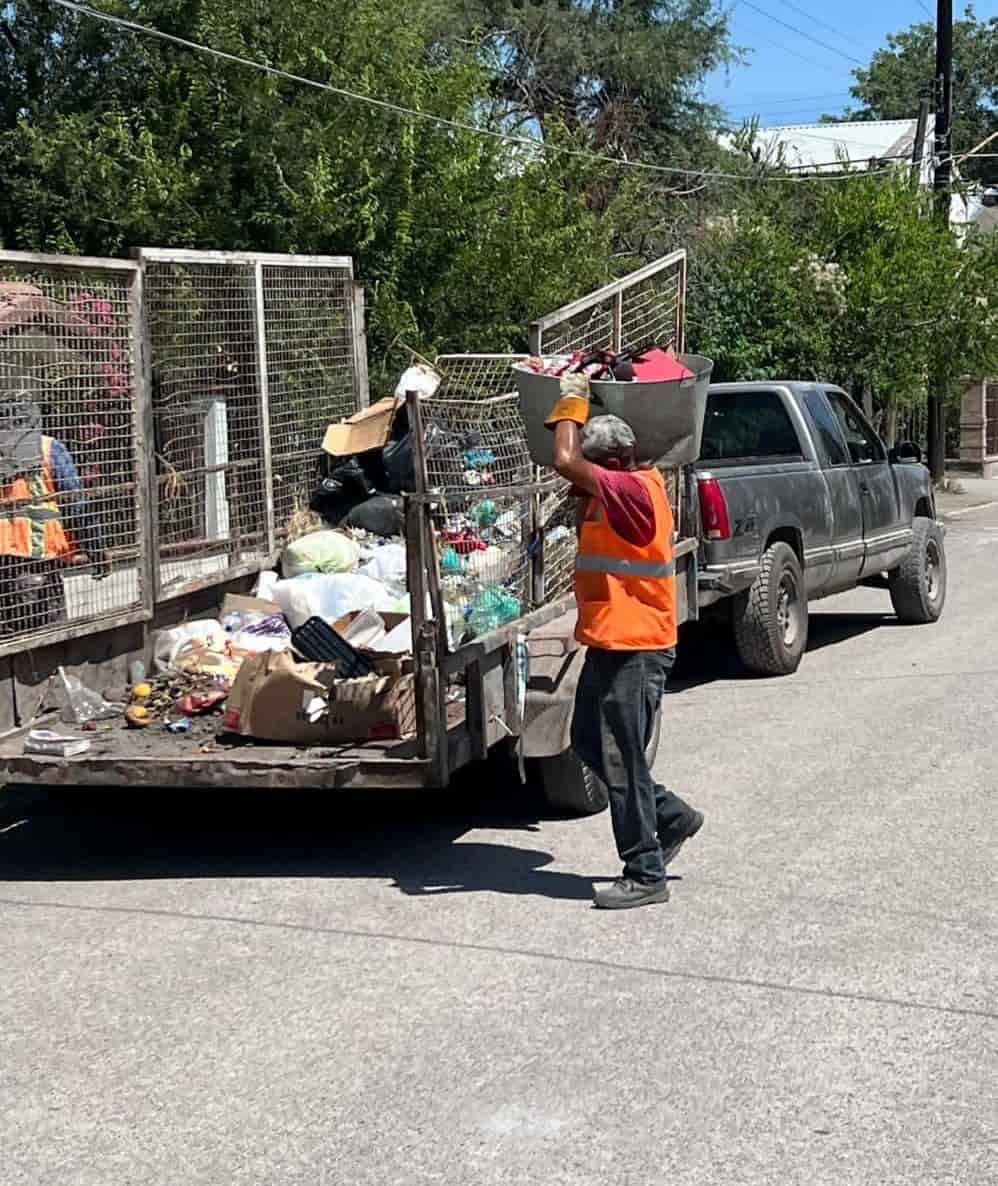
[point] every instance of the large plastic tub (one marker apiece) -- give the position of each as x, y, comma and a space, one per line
667, 418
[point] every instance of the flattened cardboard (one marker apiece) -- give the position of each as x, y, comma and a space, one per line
243, 604
272, 695
367, 429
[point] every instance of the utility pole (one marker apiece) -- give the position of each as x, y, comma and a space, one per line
918, 150
943, 177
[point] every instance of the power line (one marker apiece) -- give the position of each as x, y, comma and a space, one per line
427, 117
775, 100
796, 54
798, 101
801, 33
820, 23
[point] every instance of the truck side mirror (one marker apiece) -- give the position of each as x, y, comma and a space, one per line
906, 453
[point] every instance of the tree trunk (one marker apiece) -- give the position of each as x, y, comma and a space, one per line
891, 422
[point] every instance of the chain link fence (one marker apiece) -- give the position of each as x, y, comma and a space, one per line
71, 470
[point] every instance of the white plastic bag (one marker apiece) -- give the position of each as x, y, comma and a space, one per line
420, 378
256, 644
82, 704
204, 635
387, 564
320, 551
265, 583
330, 597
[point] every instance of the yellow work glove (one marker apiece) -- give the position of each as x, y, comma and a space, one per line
573, 403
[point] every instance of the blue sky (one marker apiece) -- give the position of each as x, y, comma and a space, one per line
789, 79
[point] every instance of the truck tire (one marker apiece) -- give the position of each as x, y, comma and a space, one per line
770, 619
568, 785
918, 584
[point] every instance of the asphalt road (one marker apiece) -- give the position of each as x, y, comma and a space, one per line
221, 990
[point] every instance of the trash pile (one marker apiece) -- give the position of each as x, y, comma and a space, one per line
322, 650
655, 365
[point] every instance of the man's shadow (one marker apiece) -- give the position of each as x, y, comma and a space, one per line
414, 840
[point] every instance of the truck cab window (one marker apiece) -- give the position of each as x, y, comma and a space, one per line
747, 426
827, 426
864, 444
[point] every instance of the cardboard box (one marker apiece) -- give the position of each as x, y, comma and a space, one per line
273, 696
367, 429
385, 662
242, 604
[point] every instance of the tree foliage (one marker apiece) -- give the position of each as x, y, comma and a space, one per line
902, 73
109, 140
854, 282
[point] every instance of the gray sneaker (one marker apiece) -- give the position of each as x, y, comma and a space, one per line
625, 893
670, 847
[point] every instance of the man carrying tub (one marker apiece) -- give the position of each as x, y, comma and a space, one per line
626, 592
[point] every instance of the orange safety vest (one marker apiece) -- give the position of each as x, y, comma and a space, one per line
33, 528
626, 594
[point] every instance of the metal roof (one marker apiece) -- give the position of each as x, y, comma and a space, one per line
825, 148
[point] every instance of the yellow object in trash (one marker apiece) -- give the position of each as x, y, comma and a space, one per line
141, 691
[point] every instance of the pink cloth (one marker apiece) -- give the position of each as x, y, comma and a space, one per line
660, 366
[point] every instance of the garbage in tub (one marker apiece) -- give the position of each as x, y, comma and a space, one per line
660, 394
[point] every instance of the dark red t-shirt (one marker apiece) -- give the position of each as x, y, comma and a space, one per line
629, 507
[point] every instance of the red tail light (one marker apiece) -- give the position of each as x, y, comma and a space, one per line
713, 510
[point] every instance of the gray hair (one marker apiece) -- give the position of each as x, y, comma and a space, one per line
608, 438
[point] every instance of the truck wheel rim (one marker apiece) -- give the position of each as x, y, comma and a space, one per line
933, 571
787, 610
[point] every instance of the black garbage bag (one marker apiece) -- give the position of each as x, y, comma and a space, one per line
345, 486
443, 453
400, 468
381, 515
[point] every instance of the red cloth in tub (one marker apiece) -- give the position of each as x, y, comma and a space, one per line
660, 366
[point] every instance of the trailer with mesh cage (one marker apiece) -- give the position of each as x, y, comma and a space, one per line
192, 389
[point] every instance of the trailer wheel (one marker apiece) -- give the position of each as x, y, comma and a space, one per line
569, 785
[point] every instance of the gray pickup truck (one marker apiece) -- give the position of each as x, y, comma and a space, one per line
799, 498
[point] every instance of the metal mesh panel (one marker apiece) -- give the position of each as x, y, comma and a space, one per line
476, 376
476, 450
557, 519
642, 309
592, 329
210, 451
310, 367
70, 537
650, 311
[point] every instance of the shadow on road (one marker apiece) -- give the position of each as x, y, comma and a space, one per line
707, 652
412, 840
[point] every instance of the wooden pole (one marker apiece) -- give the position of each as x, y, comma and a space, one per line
943, 177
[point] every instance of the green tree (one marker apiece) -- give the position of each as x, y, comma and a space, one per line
850, 281
898, 76
627, 73
111, 140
